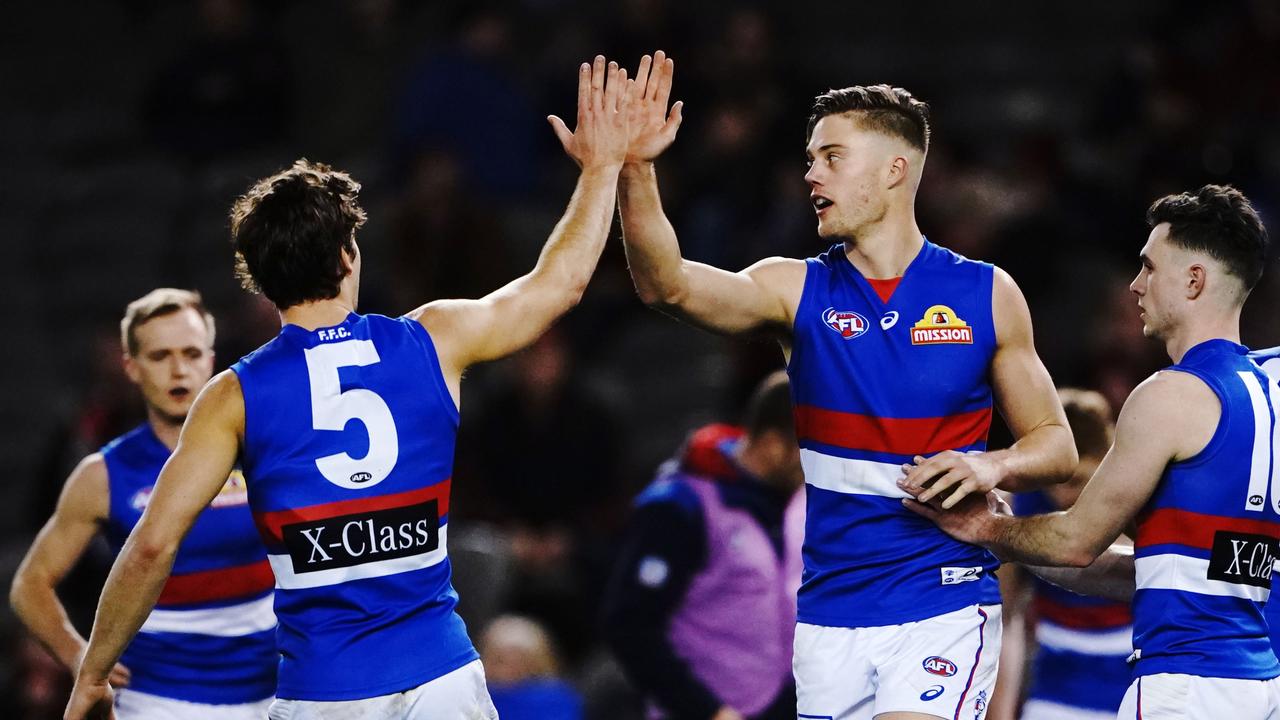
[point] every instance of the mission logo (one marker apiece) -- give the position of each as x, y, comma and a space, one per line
941, 326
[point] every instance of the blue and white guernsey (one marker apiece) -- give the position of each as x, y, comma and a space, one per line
211, 637
1207, 539
348, 451
875, 383
1269, 361
1084, 642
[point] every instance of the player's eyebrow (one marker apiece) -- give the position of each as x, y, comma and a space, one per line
829, 146
1146, 260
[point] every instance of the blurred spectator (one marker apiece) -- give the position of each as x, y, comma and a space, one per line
466, 97
701, 610
229, 90
444, 243
524, 674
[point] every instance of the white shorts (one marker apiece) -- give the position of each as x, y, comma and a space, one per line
1037, 709
134, 705
943, 666
459, 695
1168, 696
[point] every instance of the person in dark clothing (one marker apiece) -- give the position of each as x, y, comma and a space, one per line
701, 608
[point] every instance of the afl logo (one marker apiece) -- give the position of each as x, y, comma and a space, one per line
846, 322
361, 477
939, 666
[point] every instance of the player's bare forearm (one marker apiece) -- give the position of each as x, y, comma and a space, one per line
569, 258
653, 251
1110, 576
1044, 456
37, 605
1050, 540
131, 591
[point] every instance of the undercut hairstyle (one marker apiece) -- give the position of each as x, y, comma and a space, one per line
290, 229
770, 407
158, 303
1219, 221
884, 109
1089, 416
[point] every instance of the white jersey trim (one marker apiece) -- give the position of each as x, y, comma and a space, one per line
1086, 642
287, 579
1170, 571
228, 621
852, 477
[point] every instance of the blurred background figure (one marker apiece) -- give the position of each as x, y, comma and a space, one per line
523, 672
130, 126
701, 609
1064, 655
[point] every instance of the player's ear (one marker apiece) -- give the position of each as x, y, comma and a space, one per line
1195, 281
131, 368
898, 171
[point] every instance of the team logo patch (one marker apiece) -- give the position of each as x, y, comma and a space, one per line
233, 492
846, 322
935, 665
955, 575
941, 326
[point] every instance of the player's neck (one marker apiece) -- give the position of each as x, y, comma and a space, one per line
885, 250
166, 431
318, 313
1194, 332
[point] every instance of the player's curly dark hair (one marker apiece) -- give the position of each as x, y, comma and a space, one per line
883, 108
1219, 221
289, 230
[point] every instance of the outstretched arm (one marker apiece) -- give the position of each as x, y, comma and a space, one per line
194, 474
760, 299
1169, 417
467, 332
1111, 576
82, 508
1044, 451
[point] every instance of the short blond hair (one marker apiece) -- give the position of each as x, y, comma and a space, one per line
158, 303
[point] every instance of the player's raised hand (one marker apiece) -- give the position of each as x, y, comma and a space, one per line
653, 127
600, 138
90, 701
967, 473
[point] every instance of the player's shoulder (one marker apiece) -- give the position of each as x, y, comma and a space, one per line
1161, 401
779, 268
87, 490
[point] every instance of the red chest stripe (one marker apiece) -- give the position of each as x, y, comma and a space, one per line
1183, 527
270, 523
900, 436
220, 584
1088, 617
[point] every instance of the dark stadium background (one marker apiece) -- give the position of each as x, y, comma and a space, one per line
127, 127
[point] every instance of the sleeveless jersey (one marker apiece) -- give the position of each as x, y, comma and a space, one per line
348, 452
211, 637
1084, 642
1269, 361
875, 383
1207, 538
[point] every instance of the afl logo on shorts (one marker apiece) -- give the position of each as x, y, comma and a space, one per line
940, 325
846, 322
939, 666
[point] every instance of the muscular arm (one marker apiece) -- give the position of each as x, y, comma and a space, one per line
1111, 576
81, 510
511, 318
194, 474
1169, 417
1044, 451
761, 299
